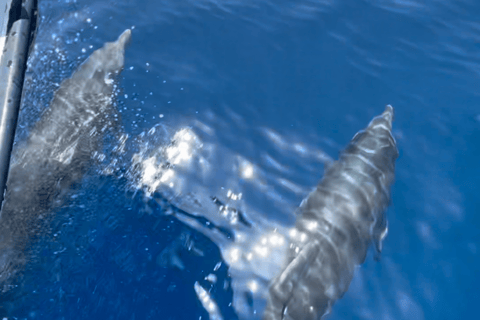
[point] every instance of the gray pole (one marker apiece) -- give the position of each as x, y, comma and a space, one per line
17, 19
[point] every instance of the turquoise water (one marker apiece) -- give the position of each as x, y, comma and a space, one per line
280, 88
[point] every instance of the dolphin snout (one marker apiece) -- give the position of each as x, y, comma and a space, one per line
125, 38
388, 115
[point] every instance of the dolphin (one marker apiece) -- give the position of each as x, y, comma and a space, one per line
58, 152
335, 226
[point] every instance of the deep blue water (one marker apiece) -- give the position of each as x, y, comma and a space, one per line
281, 85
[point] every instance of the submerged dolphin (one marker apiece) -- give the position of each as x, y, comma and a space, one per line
337, 222
58, 151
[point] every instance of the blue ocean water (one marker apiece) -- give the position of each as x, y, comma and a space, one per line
281, 88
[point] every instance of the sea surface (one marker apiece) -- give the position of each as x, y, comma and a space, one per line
238, 105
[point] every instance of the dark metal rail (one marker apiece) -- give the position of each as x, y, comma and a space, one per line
17, 28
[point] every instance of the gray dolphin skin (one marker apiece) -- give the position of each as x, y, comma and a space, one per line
336, 224
58, 152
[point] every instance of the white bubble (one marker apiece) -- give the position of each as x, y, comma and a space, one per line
253, 286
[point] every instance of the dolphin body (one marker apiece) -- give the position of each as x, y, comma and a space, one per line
336, 224
334, 228
58, 152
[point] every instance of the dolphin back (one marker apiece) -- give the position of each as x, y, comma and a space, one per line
336, 224
58, 151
